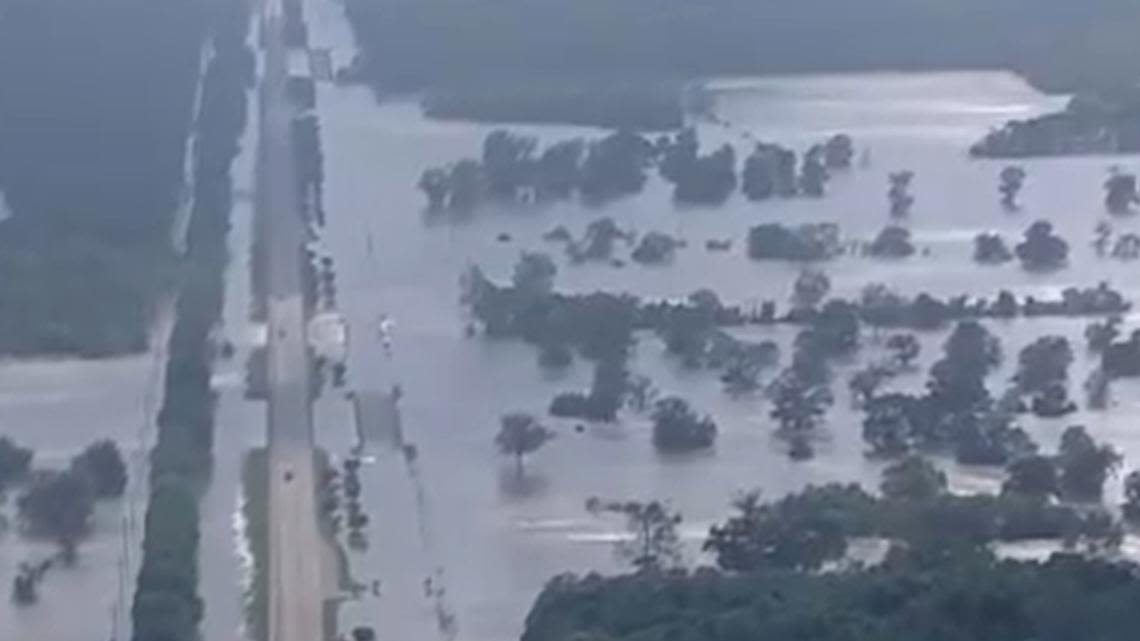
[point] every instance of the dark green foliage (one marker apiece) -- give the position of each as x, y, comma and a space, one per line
708, 179
893, 423
511, 170
1085, 465
615, 166
964, 596
57, 505
813, 173
655, 247
1122, 359
91, 166
166, 604
102, 465
912, 479
1043, 363
677, 428
653, 544
1033, 476
519, 435
1120, 192
804, 243
1131, 505
15, 461
1102, 121
904, 348
892, 242
415, 45
990, 249
1101, 334
1042, 249
770, 170
810, 288
798, 406
1012, 178
898, 194
838, 151
800, 531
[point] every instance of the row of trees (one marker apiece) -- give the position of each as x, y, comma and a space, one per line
769, 557
511, 169
166, 602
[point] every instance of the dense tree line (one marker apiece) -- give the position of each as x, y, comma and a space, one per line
939, 578
91, 167
1104, 121
166, 602
431, 44
512, 169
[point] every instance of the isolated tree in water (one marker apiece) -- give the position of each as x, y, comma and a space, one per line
58, 506
521, 434
898, 194
1120, 191
904, 349
653, 542
1011, 179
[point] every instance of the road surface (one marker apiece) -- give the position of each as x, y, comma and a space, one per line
296, 594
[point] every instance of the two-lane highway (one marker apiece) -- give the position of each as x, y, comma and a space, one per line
296, 593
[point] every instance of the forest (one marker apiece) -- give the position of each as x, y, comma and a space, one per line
93, 139
429, 44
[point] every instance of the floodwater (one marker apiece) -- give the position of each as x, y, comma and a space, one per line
458, 514
57, 407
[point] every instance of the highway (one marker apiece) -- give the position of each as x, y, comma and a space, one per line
296, 593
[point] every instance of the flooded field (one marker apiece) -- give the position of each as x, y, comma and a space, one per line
455, 534
458, 515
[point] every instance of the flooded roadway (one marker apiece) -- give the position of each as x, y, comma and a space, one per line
458, 514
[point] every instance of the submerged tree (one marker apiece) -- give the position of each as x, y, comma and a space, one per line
810, 288
813, 173
534, 274
102, 464
1042, 249
898, 194
798, 407
1120, 192
1012, 178
892, 242
838, 152
990, 249
912, 478
1043, 363
1085, 465
58, 505
1033, 476
677, 428
904, 349
521, 434
653, 543
15, 461
1131, 506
